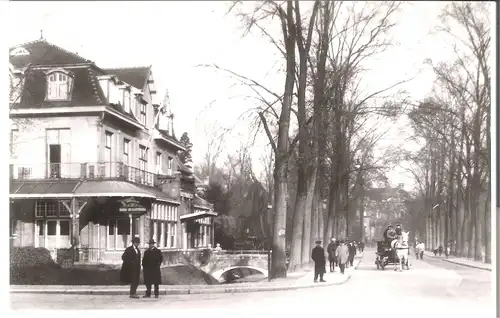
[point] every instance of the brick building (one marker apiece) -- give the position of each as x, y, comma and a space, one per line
87, 171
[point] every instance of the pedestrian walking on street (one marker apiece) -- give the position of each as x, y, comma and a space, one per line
419, 249
331, 254
151, 263
318, 256
361, 246
131, 267
352, 253
341, 254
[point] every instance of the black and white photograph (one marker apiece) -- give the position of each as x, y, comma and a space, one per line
252, 158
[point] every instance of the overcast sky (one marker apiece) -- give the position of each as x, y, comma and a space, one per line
176, 36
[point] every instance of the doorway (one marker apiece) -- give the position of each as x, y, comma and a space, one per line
55, 161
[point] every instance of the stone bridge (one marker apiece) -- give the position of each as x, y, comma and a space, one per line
211, 261
216, 263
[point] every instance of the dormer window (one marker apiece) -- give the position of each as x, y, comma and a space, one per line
59, 85
142, 116
20, 51
126, 100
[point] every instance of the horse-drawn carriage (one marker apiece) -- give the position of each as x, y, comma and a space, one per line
395, 252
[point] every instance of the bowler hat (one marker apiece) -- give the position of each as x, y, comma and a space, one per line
152, 241
318, 242
136, 240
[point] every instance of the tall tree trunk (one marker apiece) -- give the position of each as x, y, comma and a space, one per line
298, 224
308, 222
487, 226
478, 215
302, 214
313, 221
487, 210
451, 212
278, 263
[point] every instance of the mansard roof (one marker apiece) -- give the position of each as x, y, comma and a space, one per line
43, 55
86, 89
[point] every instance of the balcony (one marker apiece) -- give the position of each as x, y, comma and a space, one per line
83, 171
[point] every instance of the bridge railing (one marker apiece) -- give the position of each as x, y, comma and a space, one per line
242, 252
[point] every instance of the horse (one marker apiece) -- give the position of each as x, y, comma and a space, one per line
401, 248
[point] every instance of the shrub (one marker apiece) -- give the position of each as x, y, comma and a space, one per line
30, 256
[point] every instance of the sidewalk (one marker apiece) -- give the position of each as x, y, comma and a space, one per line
461, 261
296, 280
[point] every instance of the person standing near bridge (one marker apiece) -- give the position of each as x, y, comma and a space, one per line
318, 256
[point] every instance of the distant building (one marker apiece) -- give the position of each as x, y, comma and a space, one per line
87, 171
384, 206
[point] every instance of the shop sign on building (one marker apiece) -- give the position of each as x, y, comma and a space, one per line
131, 206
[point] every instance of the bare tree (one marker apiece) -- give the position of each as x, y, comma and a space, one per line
457, 123
215, 142
285, 14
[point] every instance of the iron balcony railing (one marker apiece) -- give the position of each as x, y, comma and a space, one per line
85, 171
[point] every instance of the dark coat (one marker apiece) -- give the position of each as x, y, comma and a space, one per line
131, 267
331, 251
318, 256
352, 250
151, 263
398, 231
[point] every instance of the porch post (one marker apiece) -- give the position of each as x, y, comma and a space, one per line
212, 231
131, 228
75, 229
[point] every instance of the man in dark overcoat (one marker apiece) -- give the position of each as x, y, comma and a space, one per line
151, 263
318, 256
331, 254
131, 267
352, 253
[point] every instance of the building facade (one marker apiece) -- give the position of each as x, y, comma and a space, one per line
94, 159
385, 206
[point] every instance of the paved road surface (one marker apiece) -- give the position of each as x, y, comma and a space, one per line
431, 288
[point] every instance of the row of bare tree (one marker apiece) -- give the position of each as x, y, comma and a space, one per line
453, 166
323, 54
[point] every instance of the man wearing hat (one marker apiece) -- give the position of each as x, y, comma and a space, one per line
342, 254
331, 254
151, 263
131, 267
318, 256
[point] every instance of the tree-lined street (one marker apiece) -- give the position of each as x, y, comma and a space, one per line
349, 141
430, 288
